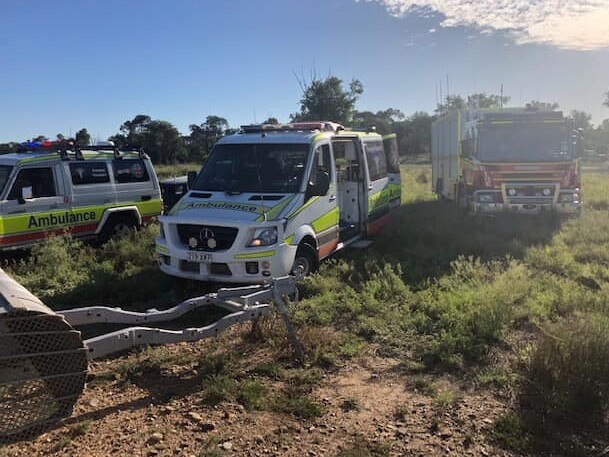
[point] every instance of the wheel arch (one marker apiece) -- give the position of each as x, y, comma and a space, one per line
122, 210
305, 233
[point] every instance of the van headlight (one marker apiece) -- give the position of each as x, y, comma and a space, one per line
486, 198
264, 237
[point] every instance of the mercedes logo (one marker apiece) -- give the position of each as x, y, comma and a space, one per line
207, 236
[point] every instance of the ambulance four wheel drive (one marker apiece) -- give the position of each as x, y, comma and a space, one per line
88, 193
276, 199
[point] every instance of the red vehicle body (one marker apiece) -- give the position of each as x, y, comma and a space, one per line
508, 160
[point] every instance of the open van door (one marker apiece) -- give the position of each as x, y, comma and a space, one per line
377, 183
393, 168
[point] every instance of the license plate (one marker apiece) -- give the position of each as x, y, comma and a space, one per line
196, 256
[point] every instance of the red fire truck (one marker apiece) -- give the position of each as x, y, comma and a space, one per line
507, 160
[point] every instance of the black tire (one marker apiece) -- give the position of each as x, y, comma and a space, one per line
118, 226
306, 258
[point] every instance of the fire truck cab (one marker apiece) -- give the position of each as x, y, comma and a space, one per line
507, 160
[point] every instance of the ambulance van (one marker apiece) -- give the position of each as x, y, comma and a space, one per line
278, 199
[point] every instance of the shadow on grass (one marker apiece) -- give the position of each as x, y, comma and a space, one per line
425, 237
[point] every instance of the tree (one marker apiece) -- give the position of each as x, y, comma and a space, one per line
160, 139
581, 119
40, 139
163, 142
451, 102
271, 120
203, 137
132, 132
477, 100
414, 134
543, 105
484, 100
598, 138
83, 138
383, 121
136, 126
327, 100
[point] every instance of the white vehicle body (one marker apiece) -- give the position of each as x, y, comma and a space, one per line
89, 194
318, 191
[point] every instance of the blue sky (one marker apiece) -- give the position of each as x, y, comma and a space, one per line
66, 64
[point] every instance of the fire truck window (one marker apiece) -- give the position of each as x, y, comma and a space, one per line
41, 181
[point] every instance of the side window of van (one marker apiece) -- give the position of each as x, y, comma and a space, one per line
89, 173
322, 162
375, 158
130, 170
41, 181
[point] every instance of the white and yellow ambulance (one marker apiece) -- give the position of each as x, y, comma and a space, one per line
275, 199
95, 193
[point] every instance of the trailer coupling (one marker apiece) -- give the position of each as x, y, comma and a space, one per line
44, 360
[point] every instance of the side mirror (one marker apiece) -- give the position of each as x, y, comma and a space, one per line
27, 193
192, 177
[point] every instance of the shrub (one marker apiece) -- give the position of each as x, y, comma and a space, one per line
567, 374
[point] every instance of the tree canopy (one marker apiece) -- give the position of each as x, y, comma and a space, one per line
204, 136
543, 105
83, 138
161, 140
327, 100
581, 119
476, 100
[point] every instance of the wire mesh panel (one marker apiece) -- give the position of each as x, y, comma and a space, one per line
43, 368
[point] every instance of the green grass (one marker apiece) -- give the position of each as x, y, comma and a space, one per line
172, 171
511, 432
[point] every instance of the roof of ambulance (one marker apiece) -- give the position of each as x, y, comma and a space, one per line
289, 136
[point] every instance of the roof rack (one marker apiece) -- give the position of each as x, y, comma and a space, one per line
64, 148
322, 126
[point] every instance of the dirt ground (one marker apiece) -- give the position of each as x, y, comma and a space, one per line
369, 405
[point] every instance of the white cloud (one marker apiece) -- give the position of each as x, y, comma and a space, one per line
568, 24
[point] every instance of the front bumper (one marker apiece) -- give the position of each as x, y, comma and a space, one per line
528, 198
527, 208
229, 266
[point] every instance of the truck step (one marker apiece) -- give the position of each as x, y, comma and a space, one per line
362, 244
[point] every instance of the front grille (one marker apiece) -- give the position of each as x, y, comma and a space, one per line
207, 237
530, 194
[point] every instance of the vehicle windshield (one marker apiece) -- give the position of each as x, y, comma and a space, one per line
525, 142
5, 172
236, 168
